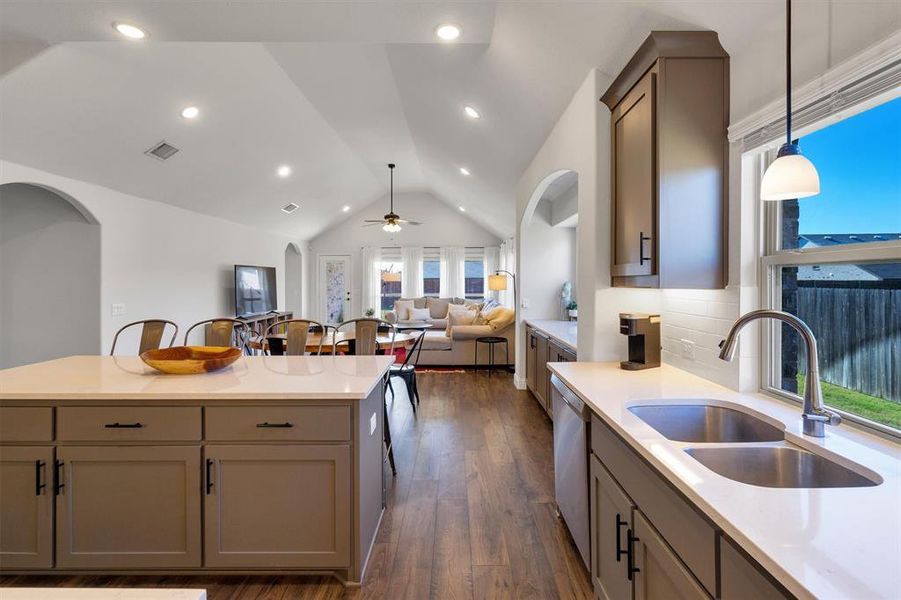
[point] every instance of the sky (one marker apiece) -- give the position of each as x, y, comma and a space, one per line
859, 162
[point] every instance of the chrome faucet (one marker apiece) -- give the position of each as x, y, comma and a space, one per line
815, 416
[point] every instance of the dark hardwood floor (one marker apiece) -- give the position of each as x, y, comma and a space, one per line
470, 513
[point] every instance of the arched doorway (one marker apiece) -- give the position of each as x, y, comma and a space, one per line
294, 280
49, 276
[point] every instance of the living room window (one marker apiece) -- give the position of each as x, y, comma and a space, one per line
431, 272
474, 274
835, 261
390, 276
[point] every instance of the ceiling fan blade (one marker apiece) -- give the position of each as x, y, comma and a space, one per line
374, 221
413, 223
371, 224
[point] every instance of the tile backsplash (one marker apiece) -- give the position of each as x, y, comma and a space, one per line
694, 322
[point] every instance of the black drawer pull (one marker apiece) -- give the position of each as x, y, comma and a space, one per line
118, 425
38, 479
268, 425
209, 479
58, 484
620, 523
642, 238
631, 569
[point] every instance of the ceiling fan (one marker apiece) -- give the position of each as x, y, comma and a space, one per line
392, 221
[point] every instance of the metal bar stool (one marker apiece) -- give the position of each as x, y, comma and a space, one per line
295, 332
222, 331
151, 334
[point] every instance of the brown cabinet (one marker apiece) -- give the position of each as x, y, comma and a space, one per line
536, 366
669, 163
127, 507
611, 521
26, 498
742, 579
277, 506
531, 358
658, 572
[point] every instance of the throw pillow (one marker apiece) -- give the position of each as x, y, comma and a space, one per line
402, 309
459, 317
419, 314
437, 307
500, 317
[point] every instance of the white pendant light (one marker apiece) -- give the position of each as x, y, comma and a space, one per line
791, 175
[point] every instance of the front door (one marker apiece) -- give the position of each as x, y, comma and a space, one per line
334, 289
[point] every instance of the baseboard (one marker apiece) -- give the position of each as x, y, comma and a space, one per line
519, 382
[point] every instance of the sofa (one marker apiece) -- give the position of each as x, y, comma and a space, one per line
456, 345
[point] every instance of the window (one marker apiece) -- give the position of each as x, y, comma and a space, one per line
391, 272
431, 272
474, 274
835, 261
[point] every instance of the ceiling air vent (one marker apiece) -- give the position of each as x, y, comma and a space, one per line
289, 208
162, 151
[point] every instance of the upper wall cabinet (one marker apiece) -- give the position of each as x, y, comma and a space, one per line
669, 163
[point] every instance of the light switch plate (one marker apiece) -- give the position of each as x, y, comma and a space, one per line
117, 309
688, 349
373, 421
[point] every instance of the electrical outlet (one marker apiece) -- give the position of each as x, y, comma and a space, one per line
524, 303
373, 421
117, 309
688, 349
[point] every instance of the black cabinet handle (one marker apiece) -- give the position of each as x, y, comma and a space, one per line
631, 569
38, 480
58, 477
118, 425
642, 238
209, 479
268, 425
620, 523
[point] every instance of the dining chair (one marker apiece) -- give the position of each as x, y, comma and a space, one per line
407, 370
222, 331
365, 342
152, 331
289, 337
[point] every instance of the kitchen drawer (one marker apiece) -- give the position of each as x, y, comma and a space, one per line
26, 424
128, 423
690, 535
278, 423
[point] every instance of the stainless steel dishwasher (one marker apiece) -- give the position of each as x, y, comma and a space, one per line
571, 463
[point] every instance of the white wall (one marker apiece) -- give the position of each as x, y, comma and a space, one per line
550, 253
442, 226
49, 277
159, 260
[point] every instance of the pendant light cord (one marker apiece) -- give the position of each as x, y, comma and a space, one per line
788, 72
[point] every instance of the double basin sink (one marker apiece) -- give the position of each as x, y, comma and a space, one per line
760, 455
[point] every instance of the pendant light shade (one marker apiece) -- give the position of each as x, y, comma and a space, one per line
791, 175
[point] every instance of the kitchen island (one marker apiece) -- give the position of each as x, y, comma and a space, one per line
272, 465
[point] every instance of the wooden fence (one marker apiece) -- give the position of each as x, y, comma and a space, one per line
858, 333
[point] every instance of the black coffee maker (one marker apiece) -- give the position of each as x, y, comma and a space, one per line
644, 340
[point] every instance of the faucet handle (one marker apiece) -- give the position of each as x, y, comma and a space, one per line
824, 416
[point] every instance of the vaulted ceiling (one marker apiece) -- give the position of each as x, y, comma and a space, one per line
338, 89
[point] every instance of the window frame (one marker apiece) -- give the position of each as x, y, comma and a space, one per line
774, 257
475, 254
389, 254
431, 254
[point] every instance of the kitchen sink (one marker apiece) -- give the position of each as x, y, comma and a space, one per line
778, 467
706, 423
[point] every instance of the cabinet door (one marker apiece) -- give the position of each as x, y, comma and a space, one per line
277, 506
26, 498
531, 359
541, 378
611, 518
741, 580
634, 176
126, 507
660, 572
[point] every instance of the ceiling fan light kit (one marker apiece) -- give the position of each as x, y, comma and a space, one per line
791, 175
390, 222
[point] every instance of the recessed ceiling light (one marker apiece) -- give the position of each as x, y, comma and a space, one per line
129, 31
462, 209
471, 112
283, 171
345, 208
289, 208
190, 112
464, 171
447, 32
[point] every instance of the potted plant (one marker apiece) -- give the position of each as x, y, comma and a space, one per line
572, 309
370, 312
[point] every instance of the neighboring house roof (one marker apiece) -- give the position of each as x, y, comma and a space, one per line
888, 271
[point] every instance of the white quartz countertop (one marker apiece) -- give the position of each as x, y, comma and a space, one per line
252, 377
823, 543
566, 332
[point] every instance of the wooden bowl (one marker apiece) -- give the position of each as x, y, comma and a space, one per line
190, 360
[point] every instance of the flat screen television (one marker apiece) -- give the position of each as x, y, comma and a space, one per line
255, 291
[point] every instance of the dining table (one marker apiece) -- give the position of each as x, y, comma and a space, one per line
342, 338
